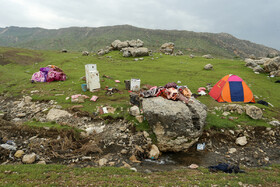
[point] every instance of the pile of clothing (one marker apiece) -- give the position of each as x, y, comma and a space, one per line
170, 91
49, 74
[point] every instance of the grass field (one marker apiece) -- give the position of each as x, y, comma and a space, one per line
58, 175
14, 80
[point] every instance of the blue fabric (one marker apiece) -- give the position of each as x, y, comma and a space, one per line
236, 91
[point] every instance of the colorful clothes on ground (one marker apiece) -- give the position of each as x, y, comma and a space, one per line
49, 74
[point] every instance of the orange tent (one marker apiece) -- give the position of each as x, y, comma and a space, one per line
232, 88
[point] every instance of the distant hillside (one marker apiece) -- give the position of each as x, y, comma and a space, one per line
92, 39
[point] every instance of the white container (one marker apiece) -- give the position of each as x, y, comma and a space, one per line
135, 85
92, 77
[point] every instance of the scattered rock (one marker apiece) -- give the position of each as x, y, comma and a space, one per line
154, 152
258, 69
274, 123
134, 159
208, 67
208, 56
29, 159
85, 53
111, 163
19, 153
102, 162
193, 166
167, 48
126, 165
42, 162
179, 53
272, 64
254, 112
226, 113
134, 111
241, 141
27, 99
55, 114
133, 169
124, 151
232, 150
139, 118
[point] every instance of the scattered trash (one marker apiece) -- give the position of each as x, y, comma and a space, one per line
262, 102
170, 91
127, 84
135, 85
111, 91
106, 76
105, 111
200, 146
94, 98
117, 81
92, 77
270, 104
227, 168
49, 74
178, 82
155, 161
202, 93
84, 87
79, 98
10, 145
257, 72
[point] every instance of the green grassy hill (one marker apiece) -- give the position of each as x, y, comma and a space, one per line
93, 39
14, 77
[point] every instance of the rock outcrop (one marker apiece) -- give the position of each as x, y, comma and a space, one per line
167, 48
272, 66
176, 125
135, 52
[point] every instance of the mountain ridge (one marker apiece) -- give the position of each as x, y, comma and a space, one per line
94, 38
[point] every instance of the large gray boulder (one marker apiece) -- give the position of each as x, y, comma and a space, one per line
167, 48
141, 51
115, 43
176, 125
56, 114
135, 52
254, 112
251, 64
136, 43
272, 65
121, 45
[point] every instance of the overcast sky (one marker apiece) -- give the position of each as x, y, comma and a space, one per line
254, 20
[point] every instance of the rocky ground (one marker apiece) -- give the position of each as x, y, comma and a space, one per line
118, 143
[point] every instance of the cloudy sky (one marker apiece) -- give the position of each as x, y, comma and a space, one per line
254, 20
